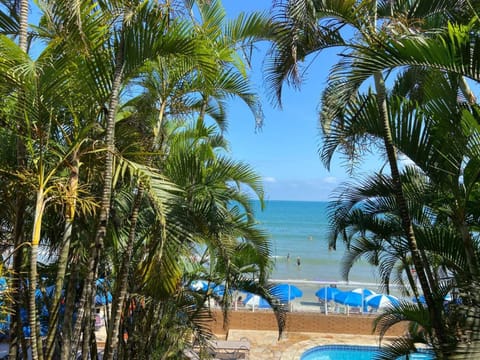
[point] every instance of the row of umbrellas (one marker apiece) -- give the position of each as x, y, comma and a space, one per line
357, 297
360, 297
284, 292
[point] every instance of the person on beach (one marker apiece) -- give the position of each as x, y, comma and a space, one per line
298, 261
239, 301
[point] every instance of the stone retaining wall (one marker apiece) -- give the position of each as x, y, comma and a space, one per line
300, 322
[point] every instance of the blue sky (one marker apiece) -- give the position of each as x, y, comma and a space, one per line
285, 151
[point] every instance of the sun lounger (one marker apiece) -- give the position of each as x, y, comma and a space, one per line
229, 349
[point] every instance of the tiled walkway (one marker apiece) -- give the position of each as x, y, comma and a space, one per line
265, 345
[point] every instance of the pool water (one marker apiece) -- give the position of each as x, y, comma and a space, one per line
350, 352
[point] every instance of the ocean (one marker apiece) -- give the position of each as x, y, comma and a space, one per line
299, 229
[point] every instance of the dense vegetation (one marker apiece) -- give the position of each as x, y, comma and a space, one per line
115, 175
402, 87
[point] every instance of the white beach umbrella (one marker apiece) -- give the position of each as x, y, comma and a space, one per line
355, 297
199, 285
256, 301
381, 301
364, 292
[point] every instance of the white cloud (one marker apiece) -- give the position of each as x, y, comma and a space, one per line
330, 180
269, 179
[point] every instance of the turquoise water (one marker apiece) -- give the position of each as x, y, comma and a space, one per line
301, 230
350, 352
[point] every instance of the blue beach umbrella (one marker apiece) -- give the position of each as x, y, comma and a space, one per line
218, 290
354, 297
103, 296
199, 285
102, 299
327, 293
421, 299
349, 298
286, 292
364, 292
3, 283
256, 301
380, 301
206, 286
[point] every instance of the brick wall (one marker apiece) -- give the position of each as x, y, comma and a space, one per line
300, 322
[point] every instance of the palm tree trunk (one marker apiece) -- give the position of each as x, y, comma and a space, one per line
66, 337
87, 330
121, 289
435, 313
32, 284
16, 332
63, 256
97, 247
122, 279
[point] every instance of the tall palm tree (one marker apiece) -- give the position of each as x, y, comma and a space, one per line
137, 34
16, 23
165, 80
85, 54
423, 119
306, 27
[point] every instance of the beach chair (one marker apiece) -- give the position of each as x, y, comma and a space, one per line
229, 349
332, 307
355, 310
191, 355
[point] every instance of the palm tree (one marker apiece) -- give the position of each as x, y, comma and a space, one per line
303, 30
165, 79
129, 51
439, 192
17, 12
46, 75
84, 56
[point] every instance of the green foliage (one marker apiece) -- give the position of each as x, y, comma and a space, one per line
134, 82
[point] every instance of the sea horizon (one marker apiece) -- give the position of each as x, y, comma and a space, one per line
299, 231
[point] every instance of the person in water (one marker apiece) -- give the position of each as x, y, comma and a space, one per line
298, 261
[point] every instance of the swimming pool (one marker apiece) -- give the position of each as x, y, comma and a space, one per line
350, 352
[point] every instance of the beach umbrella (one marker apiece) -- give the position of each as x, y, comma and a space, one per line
49, 290
364, 292
286, 292
355, 297
103, 296
327, 293
421, 299
380, 301
103, 299
256, 301
218, 290
349, 298
199, 285
205, 286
